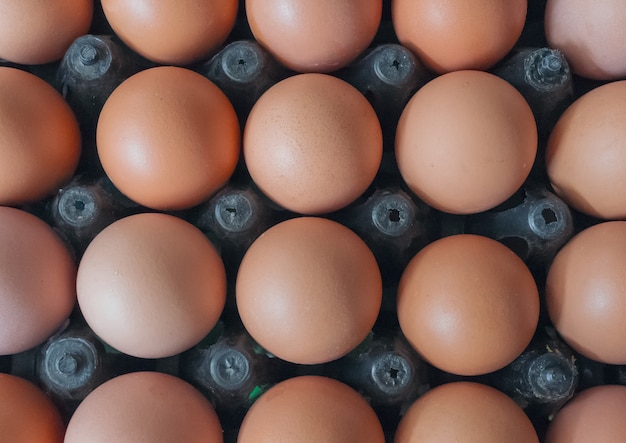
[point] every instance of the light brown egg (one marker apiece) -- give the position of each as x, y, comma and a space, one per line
311, 409
466, 141
37, 281
39, 138
450, 35
592, 38
176, 32
468, 304
586, 292
168, 138
312, 143
309, 290
144, 407
26, 414
465, 412
40, 31
151, 285
586, 154
595, 414
314, 35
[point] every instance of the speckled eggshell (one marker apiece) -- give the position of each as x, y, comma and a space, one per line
468, 304
176, 32
37, 281
309, 290
39, 138
27, 415
586, 292
144, 407
466, 141
592, 38
40, 31
465, 412
593, 415
451, 35
151, 285
311, 409
586, 153
314, 35
168, 138
312, 143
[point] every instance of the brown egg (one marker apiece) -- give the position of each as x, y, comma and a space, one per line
465, 412
151, 285
144, 407
586, 153
468, 304
26, 414
175, 32
311, 409
466, 141
451, 35
314, 35
39, 31
586, 292
309, 290
37, 281
592, 38
39, 138
312, 143
168, 138
593, 415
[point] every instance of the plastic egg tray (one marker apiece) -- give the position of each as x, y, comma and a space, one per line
228, 367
